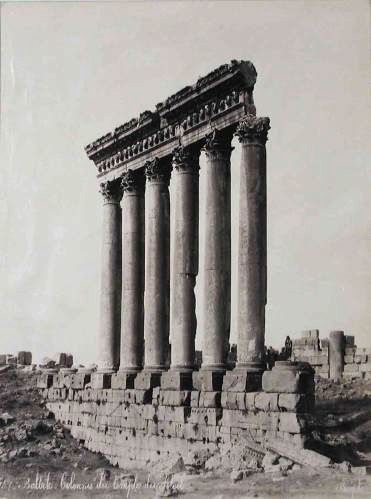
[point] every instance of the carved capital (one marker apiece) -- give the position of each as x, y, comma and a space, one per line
111, 191
218, 145
157, 172
252, 128
132, 182
186, 159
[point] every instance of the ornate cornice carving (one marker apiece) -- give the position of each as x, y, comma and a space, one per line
157, 172
111, 191
132, 182
222, 91
253, 128
217, 145
186, 159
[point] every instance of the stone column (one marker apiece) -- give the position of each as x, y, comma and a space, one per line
336, 354
215, 325
110, 302
185, 268
132, 272
252, 253
157, 273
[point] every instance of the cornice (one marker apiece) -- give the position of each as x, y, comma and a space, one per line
218, 92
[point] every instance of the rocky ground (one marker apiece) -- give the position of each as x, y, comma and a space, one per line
39, 457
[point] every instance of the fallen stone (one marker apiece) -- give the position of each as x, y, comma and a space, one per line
236, 476
6, 418
305, 457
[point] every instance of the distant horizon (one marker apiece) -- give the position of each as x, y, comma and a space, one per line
72, 72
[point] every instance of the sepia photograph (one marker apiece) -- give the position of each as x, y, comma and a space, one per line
185, 249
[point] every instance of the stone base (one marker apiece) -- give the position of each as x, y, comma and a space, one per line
146, 380
208, 381
241, 380
176, 380
289, 377
101, 381
67, 370
123, 380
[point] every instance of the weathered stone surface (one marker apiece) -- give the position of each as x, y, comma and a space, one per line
217, 252
110, 299
241, 380
304, 457
146, 380
336, 354
122, 380
288, 381
24, 358
208, 381
252, 251
209, 399
100, 380
266, 402
176, 380
295, 402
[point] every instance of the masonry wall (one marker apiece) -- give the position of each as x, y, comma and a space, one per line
310, 348
357, 361
134, 427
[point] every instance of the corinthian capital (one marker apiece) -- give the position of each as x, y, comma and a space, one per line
111, 191
218, 145
186, 159
132, 182
156, 172
252, 128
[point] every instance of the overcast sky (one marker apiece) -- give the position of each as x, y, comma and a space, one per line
71, 72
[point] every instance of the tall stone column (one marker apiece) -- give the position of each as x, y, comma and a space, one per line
185, 180
157, 273
110, 301
217, 262
132, 339
252, 248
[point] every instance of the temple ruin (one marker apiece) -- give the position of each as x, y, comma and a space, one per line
135, 411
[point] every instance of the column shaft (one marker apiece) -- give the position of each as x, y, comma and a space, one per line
252, 251
185, 258
132, 272
110, 302
217, 253
157, 266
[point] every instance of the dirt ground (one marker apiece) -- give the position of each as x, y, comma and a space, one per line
40, 458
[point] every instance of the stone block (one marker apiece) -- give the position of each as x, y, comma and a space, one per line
360, 358
156, 395
292, 423
349, 359
100, 380
195, 398
229, 400
314, 333
349, 341
122, 380
208, 381
175, 398
79, 380
176, 380
24, 358
295, 402
147, 379
11, 360
209, 399
240, 380
143, 396
365, 368
293, 379
351, 368
266, 402
44, 381
202, 415
3, 359
175, 414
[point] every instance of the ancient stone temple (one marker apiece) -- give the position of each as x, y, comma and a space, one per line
136, 397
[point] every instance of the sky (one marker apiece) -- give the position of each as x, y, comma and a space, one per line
71, 72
